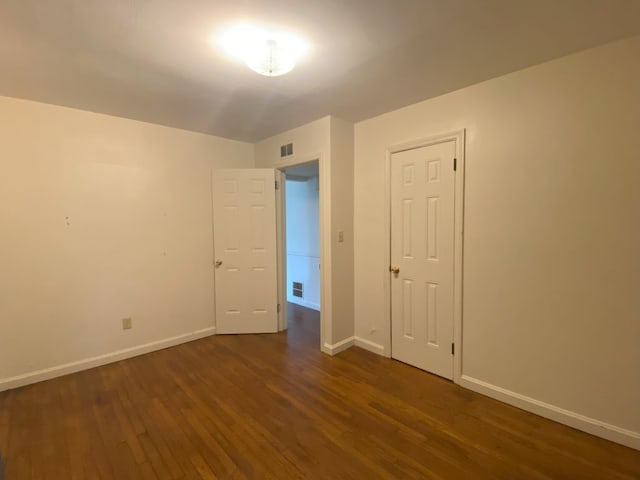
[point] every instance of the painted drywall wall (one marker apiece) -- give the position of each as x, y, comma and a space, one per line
101, 218
310, 141
330, 141
303, 241
342, 274
551, 307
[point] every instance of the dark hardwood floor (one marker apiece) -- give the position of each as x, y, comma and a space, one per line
274, 407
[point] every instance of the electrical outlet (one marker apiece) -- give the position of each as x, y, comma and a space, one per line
127, 323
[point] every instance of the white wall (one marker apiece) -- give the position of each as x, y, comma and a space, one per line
551, 309
341, 138
310, 142
303, 241
101, 218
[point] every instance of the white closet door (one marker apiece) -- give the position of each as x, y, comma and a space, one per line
422, 252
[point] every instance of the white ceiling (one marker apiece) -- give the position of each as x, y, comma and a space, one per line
153, 60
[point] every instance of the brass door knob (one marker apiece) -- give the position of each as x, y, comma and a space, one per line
218, 263
395, 270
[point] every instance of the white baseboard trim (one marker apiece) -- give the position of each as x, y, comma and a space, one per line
353, 341
567, 417
341, 346
87, 363
304, 303
370, 346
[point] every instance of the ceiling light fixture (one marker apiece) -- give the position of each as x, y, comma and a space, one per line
268, 52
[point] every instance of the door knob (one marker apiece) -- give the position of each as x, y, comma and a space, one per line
218, 263
395, 270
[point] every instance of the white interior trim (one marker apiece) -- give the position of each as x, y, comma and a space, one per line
357, 342
281, 247
341, 346
458, 137
552, 412
370, 346
458, 254
87, 363
304, 303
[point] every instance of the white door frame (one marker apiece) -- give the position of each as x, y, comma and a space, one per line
281, 247
325, 243
458, 137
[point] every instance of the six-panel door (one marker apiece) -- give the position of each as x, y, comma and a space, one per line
244, 231
422, 252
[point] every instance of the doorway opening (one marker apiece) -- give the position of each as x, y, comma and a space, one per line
302, 245
250, 248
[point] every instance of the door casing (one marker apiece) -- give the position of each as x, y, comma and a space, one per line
458, 137
325, 242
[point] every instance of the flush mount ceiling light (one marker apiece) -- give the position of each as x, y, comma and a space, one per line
268, 52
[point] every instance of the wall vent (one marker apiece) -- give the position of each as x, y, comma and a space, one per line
297, 289
286, 150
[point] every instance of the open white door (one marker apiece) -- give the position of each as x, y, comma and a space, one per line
422, 257
244, 234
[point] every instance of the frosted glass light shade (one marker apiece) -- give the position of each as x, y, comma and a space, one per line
269, 53
270, 59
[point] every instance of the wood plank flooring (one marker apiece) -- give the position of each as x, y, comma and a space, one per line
274, 407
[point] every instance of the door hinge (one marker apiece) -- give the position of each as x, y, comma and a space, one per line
277, 185
455, 164
278, 308
453, 349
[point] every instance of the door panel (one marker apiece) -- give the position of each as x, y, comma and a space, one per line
244, 231
422, 247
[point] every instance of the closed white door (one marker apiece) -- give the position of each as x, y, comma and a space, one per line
422, 257
244, 233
